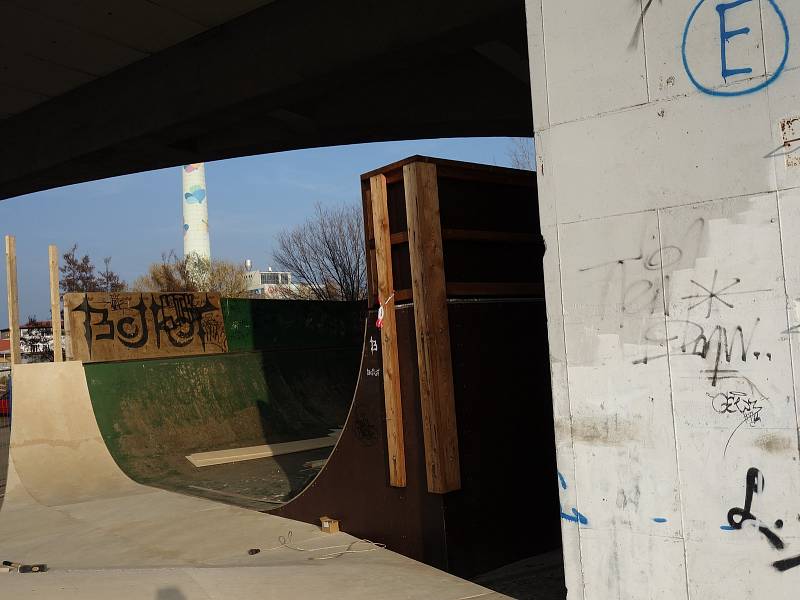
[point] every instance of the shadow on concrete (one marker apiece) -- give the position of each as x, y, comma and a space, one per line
537, 578
312, 369
170, 593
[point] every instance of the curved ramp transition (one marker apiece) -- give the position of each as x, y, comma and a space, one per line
289, 375
103, 536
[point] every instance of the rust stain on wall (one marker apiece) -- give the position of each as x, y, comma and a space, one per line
790, 132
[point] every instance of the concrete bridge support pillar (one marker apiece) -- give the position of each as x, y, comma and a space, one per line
669, 165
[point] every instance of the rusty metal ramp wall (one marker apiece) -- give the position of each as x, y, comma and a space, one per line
103, 536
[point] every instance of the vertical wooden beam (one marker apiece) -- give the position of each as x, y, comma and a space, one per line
433, 328
67, 336
55, 304
391, 363
369, 245
13, 298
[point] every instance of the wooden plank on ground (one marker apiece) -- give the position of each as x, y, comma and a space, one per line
391, 363
437, 396
13, 298
55, 304
221, 457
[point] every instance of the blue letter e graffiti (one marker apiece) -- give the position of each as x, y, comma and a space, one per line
725, 36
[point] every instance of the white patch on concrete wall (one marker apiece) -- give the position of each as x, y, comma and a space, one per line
613, 294
697, 151
732, 388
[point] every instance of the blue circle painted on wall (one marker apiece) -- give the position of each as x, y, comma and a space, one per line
725, 36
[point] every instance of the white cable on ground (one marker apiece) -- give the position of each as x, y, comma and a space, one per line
286, 542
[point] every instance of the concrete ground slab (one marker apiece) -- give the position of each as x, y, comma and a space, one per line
243, 583
67, 504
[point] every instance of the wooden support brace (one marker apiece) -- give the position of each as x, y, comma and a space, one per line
437, 395
13, 298
55, 304
391, 363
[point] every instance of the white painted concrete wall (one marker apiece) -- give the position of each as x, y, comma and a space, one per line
671, 213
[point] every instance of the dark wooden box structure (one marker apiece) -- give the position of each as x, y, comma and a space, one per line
454, 258
435, 230
488, 223
455, 466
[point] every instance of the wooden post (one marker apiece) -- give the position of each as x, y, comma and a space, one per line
13, 298
391, 370
55, 304
369, 245
432, 327
67, 336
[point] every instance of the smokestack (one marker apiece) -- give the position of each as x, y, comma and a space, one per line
195, 211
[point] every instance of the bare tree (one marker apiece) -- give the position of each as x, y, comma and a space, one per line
78, 274
193, 274
326, 254
108, 280
170, 275
522, 153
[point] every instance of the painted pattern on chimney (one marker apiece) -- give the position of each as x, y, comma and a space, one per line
195, 211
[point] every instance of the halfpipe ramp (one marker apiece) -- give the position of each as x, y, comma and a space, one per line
67, 504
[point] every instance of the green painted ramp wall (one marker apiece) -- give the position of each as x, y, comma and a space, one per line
281, 324
153, 412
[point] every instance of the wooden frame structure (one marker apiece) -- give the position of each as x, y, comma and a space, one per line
13, 299
437, 396
391, 362
413, 244
55, 303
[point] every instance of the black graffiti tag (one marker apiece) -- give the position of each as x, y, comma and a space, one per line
180, 317
696, 340
738, 516
128, 330
88, 327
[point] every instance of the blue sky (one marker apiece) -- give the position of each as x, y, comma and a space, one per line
135, 218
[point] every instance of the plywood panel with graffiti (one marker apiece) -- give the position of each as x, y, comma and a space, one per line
121, 326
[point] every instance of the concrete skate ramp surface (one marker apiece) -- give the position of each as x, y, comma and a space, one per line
103, 536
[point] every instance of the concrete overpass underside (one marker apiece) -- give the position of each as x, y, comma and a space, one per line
92, 90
